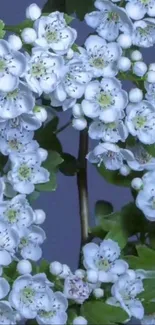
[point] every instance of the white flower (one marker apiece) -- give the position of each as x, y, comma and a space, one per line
104, 259
139, 68
24, 267
44, 71
109, 132
137, 9
80, 320
12, 66
25, 121
18, 142
67, 103
124, 292
109, 20
4, 289
7, 314
17, 102
28, 35
26, 172
150, 92
30, 294
109, 154
9, 240
76, 289
144, 33
105, 100
15, 42
141, 159
148, 320
145, 199
30, 240
57, 313
100, 57
140, 121
17, 212
2, 188
33, 11
53, 33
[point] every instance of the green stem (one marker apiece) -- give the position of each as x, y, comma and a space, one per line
65, 126
82, 185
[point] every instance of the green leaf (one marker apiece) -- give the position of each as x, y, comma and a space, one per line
75, 48
46, 137
150, 149
18, 28
71, 315
97, 312
33, 196
79, 7
53, 5
2, 31
102, 208
119, 235
68, 19
145, 259
69, 167
51, 164
44, 266
149, 307
115, 178
149, 290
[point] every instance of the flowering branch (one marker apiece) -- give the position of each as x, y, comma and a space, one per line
82, 184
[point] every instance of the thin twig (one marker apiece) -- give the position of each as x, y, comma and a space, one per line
63, 127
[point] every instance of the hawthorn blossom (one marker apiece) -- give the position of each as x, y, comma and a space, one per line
57, 313
30, 240
4, 289
109, 20
124, 292
148, 319
54, 33
30, 294
105, 100
141, 159
145, 199
9, 240
137, 9
144, 33
109, 154
140, 121
108, 132
104, 259
100, 57
7, 314
150, 92
44, 71
76, 289
26, 172
12, 67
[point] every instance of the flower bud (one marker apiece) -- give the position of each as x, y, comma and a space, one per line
92, 276
77, 111
125, 41
80, 273
56, 268
24, 267
79, 123
15, 42
28, 35
136, 56
150, 77
80, 321
135, 95
137, 183
43, 153
65, 271
70, 54
40, 216
124, 170
33, 12
139, 68
40, 113
98, 293
152, 67
124, 64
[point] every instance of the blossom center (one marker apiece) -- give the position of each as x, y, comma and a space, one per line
51, 36
139, 121
47, 314
14, 144
24, 172
103, 264
38, 69
24, 241
11, 215
28, 295
2, 65
12, 94
98, 63
113, 16
104, 100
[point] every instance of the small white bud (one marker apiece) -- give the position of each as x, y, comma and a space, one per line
65, 271
33, 12
24, 267
18, 317
135, 95
92, 276
43, 153
39, 216
70, 54
28, 35
80, 273
15, 42
137, 183
124, 170
40, 113
150, 77
124, 63
77, 111
55, 268
136, 56
98, 293
125, 41
139, 68
152, 67
79, 123
80, 321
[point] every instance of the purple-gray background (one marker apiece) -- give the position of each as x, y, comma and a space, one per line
62, 223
